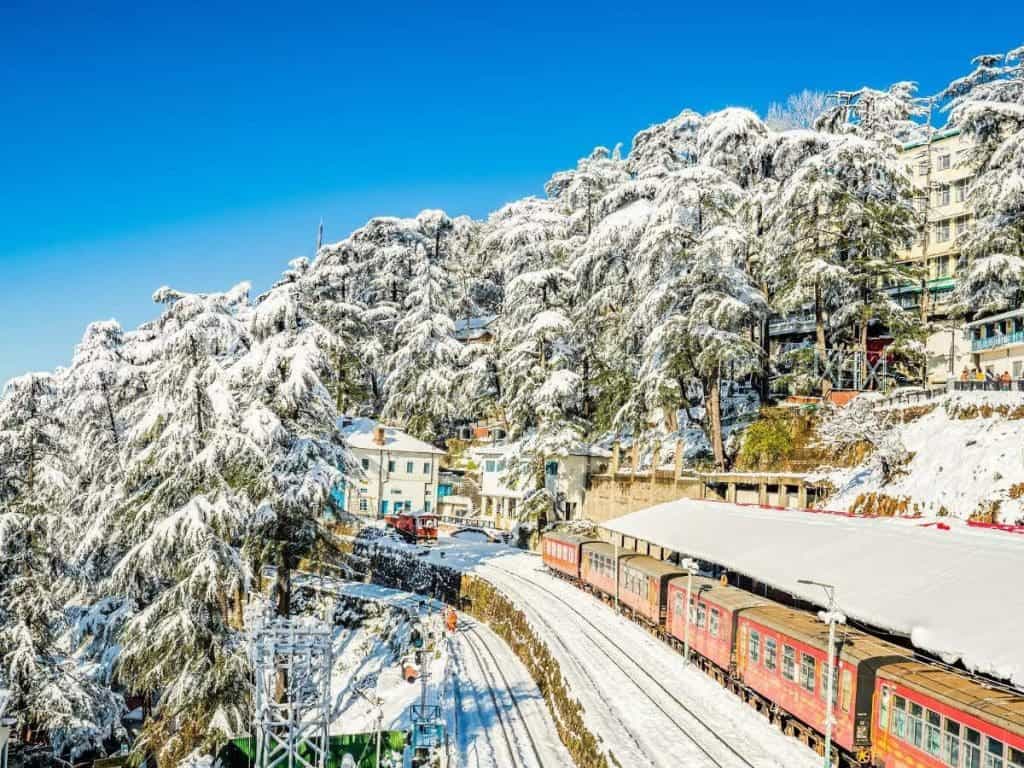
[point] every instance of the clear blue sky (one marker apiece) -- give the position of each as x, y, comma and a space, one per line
200, 144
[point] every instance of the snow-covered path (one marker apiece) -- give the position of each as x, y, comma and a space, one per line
638, 697
496, 716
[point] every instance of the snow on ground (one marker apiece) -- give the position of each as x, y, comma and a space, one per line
949, 587
961, 465
648, 709
495, 714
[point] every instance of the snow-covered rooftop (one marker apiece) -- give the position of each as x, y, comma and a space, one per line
953, 589
359, 433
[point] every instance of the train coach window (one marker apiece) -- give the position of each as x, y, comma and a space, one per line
933, 733
755, 646
769, 653
807, 677
713, 623
789, 662
972, 748
1015, 757
951, 743
702, 616
899, 717
994, 754
915, 725
883, 709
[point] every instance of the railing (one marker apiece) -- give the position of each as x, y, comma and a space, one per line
790, 325
469, 522
910, 397
999, 340
989, 386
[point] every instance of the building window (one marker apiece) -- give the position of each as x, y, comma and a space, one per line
408, 467
426, 467
364, 505
391, 465
755, 646
961, 190
713, 622
365, 463
961, 224
807, 668
426, 506
942, 195
384, 507
942, 231
769, 654
489, 465
789, 663
944, 162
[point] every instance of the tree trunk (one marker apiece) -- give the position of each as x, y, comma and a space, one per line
283, 588
766, 362
240, 606
819, 334
715, 423
864, 352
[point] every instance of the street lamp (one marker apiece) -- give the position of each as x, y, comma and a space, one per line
832, 617
690, 565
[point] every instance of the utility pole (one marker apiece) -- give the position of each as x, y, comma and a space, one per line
690, 565
832, 617
320, 237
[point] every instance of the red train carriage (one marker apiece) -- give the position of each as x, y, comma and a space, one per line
561, 552
597, 566
414, 526
713, 617
643, 587
927, 717
781, 656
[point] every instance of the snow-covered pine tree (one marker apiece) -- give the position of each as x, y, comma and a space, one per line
423, 368
187, 496
988, 105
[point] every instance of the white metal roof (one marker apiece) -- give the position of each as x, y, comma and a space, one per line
1019, 312
955, 590
358, 433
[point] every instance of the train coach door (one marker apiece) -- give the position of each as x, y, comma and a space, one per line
741, 650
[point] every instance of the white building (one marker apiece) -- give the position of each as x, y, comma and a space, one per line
499, 502
997, 343
567, 477
395, 471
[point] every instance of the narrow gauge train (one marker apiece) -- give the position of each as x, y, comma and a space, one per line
889, 710
413, 526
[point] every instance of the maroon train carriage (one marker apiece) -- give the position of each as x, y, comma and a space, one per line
643, 587
781, 656
561, 552
597, 567
928, 717
714, 615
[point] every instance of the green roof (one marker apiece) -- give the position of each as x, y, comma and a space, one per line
937, 136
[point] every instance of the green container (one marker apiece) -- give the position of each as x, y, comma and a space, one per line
241, 753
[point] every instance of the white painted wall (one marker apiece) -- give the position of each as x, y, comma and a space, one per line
378, 481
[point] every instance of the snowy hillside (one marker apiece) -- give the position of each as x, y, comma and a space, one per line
963, 458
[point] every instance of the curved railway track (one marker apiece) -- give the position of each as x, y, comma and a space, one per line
732, 756
491, 669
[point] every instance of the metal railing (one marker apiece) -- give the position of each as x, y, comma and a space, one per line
999, 340
989, 386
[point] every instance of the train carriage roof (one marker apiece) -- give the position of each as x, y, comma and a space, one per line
569, 538
659, 569
996, 705
604, 548
809, 629
713, 591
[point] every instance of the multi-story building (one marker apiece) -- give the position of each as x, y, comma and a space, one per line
395, 471
940, 171
997, 344
500, 502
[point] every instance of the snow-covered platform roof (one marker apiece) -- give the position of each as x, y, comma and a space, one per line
955, 590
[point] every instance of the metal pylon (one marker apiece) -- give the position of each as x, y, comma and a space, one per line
292, 662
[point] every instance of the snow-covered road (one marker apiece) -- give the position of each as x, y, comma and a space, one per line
638, 697
496, 716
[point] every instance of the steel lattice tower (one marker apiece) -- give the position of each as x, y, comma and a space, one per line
292, 663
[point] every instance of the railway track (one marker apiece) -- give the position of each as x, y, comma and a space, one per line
723, 755
491, 670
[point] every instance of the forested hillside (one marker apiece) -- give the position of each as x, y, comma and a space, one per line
143, 486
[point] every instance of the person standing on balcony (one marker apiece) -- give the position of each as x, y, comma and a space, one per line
1004, 380
965, 375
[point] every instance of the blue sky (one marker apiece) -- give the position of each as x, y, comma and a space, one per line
198, 145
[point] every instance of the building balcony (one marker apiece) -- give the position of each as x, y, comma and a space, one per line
785, 326
996, 341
